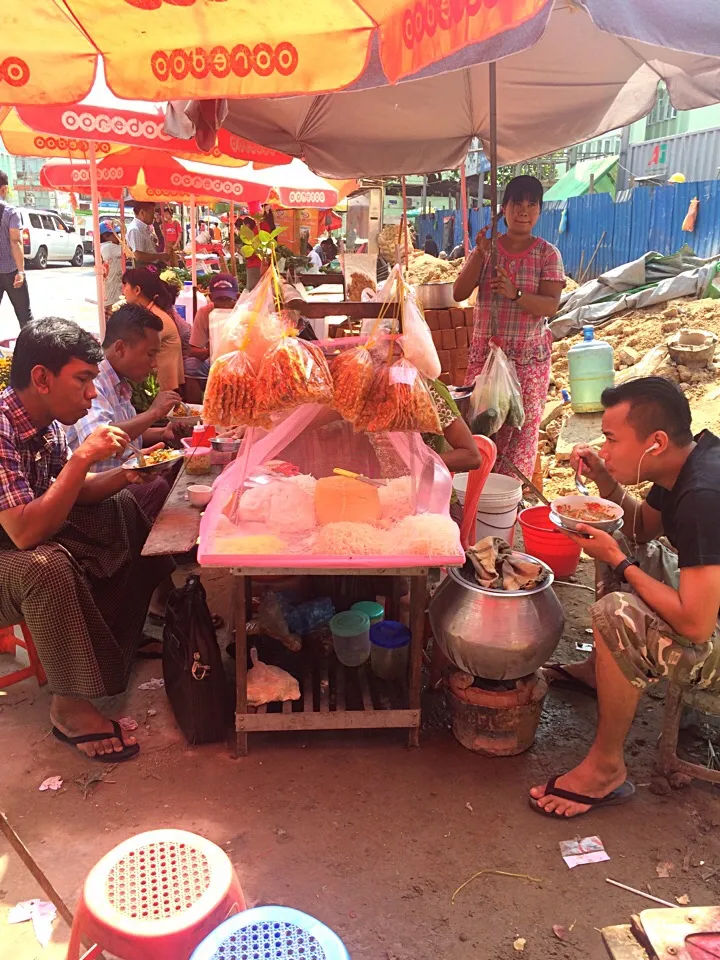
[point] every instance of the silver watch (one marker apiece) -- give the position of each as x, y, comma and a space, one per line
518, 295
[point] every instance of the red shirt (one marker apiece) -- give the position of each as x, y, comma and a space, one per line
171, 231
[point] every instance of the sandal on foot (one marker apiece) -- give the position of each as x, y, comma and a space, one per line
117, 756
622, 794
567, 681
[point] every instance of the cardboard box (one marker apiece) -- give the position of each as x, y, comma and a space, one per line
437, 338
444, 319
431, 318
461, 337
460, 377
457, 315
469, 316
462, 357
448, 339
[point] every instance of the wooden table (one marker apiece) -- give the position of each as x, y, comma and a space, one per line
325, 703
177, 526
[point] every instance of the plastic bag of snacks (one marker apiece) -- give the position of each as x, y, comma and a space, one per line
398, 399
255, 321
230, 392
292, 372
360, 272
417, 341
353, 372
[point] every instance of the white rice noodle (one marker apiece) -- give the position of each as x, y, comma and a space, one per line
396, 499
348, 539
429, 534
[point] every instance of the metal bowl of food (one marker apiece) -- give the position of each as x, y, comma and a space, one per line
229, 445
153, 462
594, 511
436, 296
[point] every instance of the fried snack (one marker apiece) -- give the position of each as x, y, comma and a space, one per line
359, 282
399, 400
181, 410
292, 372
353, 372
230, 392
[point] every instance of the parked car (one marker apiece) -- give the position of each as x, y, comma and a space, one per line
47, 238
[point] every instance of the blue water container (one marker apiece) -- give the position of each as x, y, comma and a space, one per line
591, 367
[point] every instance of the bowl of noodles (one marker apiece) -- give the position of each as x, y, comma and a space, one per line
186, 413
596, 512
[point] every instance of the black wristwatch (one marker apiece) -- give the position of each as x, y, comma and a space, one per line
620, 569
519, 294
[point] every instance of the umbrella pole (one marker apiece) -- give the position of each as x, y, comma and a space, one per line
193, 243
96, 240
405, 222
463, 192
493, 192
231, 224
122, 232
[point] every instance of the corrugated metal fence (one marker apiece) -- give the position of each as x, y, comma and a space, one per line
637, 221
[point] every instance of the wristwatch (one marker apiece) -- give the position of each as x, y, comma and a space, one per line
519, 294
620, 569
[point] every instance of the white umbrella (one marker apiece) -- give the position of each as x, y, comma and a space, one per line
595, 67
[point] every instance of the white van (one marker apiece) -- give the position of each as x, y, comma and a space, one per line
47, 238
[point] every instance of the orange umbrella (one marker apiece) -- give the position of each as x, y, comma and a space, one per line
179, 49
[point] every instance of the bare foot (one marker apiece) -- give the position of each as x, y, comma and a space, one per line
587, 779
584, 671
78, 718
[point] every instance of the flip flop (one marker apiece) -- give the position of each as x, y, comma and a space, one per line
142, 654
127, 753
622, 794
568, 682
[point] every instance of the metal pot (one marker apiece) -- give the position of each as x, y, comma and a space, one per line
435, 296
496, 634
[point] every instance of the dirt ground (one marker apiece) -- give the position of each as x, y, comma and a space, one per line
355, 829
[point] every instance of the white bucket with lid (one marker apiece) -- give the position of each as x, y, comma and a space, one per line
497, 507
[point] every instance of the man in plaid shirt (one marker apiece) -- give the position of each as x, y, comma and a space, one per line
71, 539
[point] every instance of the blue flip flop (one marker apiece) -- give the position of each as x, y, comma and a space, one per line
622, 794
127, 753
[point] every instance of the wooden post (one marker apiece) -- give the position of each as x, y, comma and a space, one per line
418, 599
464, 205
242, 591
405, 221
493, 192
96, 239
123, 258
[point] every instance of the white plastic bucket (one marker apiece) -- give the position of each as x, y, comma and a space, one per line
497, 507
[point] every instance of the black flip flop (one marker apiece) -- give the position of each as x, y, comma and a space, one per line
142, 654
568, 682
127, 753
622, 794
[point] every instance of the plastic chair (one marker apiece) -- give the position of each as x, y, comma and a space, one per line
9, 641
476, 482
272, 933
678, 696
155, 897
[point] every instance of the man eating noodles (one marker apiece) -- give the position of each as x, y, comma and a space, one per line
70, 543
656, 616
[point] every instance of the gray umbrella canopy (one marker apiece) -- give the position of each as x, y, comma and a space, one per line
583, 68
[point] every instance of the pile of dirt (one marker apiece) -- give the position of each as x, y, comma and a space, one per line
426, 269
633, 335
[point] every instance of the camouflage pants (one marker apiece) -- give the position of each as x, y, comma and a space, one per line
645, 648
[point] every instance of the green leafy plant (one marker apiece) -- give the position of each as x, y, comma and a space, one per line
261, 244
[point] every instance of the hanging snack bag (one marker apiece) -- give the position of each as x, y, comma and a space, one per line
399, 400
353, 372
292, 372
230, 391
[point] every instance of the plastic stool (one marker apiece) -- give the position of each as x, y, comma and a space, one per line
8, 643
155, 896
272, 933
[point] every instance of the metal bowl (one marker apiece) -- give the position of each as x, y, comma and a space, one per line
578, 500
436, 296
225, 444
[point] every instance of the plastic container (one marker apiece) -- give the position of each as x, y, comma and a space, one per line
202, 434
497, 507
184, 301
197, 459
389, 649
375, 611
591, 368
351, 637
546, 542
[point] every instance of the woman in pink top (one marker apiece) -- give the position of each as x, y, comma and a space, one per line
530, 278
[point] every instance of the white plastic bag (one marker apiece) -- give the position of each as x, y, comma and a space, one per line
266, 683
496, 398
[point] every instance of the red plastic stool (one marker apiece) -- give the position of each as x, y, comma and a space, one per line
156, 897
9, 641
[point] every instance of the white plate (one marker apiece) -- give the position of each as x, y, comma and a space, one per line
132, 463
192, 418
558, 521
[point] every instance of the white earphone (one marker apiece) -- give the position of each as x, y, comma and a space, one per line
653, 447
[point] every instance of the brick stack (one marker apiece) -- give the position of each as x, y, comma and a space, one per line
452, 334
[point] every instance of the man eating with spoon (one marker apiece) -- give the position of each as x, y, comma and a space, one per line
657, 609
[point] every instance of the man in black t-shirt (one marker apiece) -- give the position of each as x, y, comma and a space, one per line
658, 609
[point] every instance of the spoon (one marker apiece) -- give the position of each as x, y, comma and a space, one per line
581, 488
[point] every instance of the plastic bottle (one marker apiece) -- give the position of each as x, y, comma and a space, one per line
591, 368
184, 302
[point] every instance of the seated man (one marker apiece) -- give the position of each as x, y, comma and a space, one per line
70, 542
658, 610
131, 346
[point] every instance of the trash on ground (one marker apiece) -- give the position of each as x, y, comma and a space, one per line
128, 723
562, 933
87, 781
155, 684
496, 873
665, 869
587, 850
42, 915
684, 900
519, 944
469, 806
51, 783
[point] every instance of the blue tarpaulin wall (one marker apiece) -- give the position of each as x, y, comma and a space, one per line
637, 221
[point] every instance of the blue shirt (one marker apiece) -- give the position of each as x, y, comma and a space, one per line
10, 220
111, 405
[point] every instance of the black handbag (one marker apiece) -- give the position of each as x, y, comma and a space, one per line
195, 681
